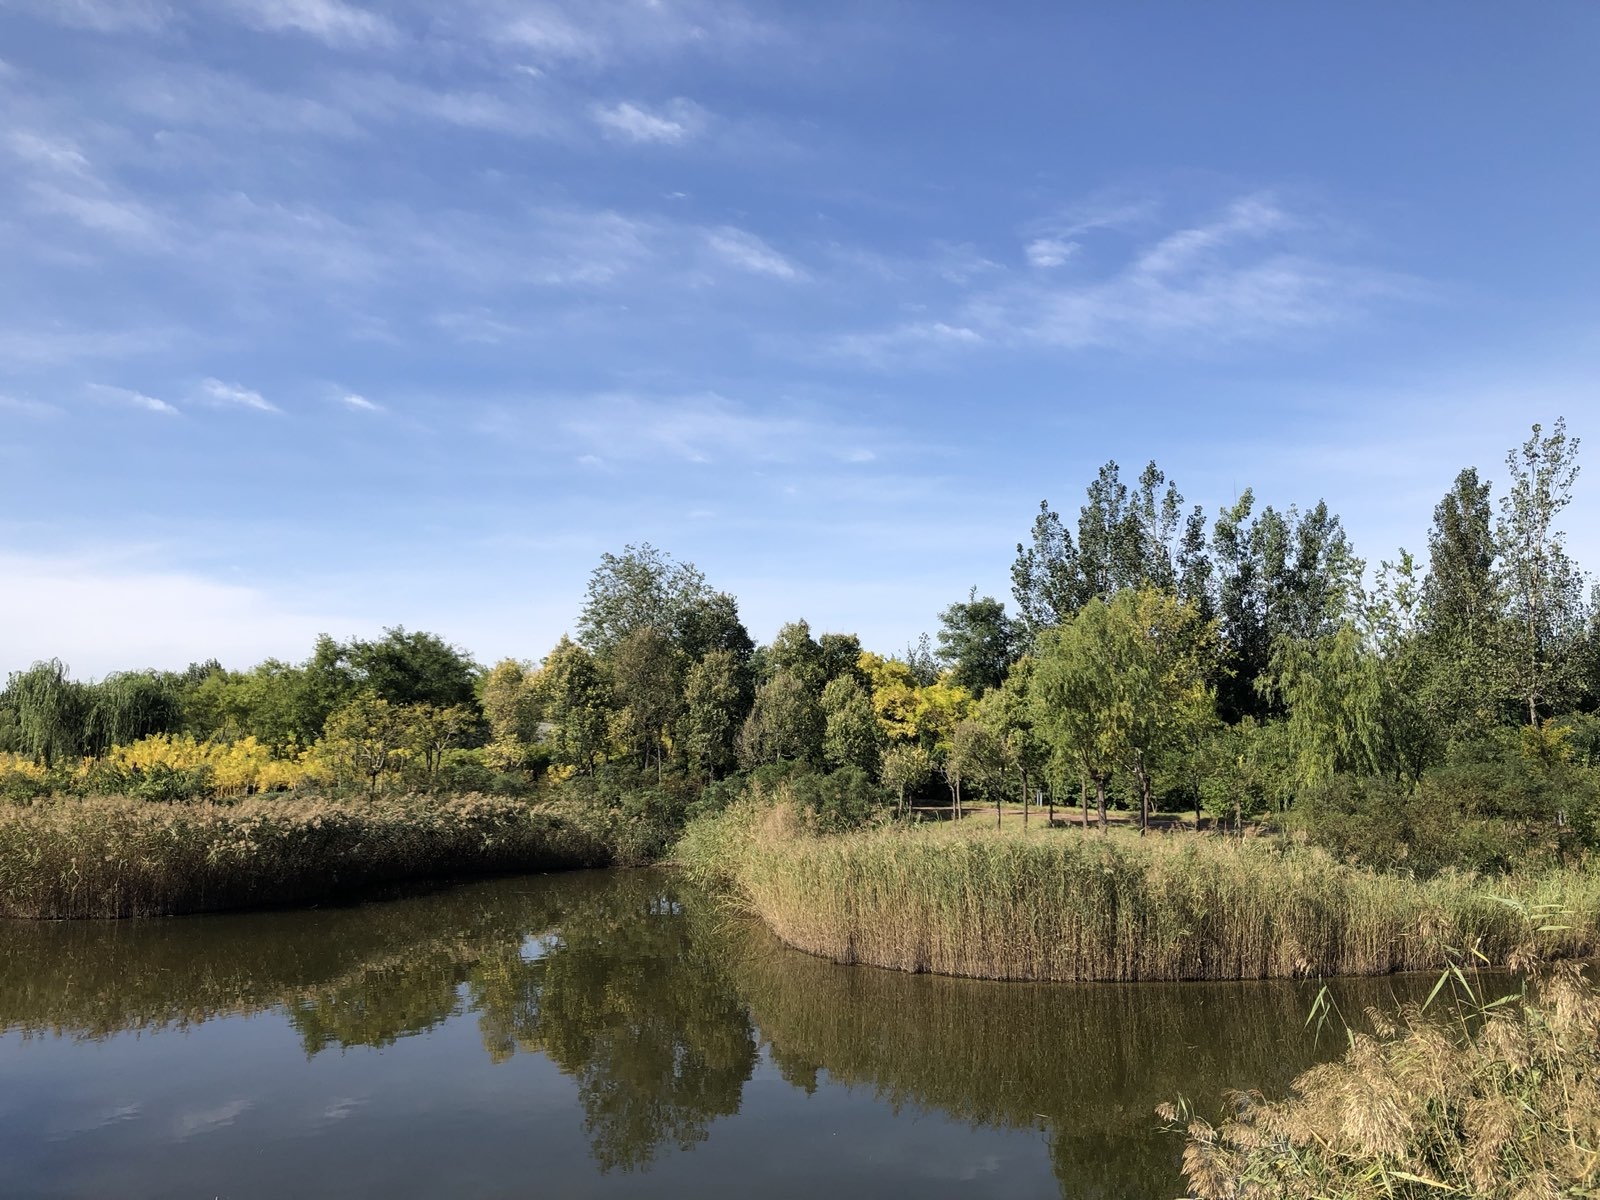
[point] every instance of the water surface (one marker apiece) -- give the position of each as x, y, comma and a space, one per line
590, 1034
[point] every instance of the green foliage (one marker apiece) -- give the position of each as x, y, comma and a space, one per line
851, 737
717, 698
786, 722
838, 801
1509, 801
414, 668
644, 587
576, 698
1542, 585
978, 642
1123, 684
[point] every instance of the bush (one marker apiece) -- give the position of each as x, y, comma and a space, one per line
839, 801
1500, 803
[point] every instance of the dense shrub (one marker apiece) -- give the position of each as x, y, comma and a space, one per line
840, 800
1511, 800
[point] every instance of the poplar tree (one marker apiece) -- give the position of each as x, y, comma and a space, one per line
1544, 600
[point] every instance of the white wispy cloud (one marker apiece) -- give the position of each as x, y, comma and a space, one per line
235, 396
579, 31
749, 253
360, 403
54, 344
116, 216
127, 396
100, 16
708, 428
331, 21
676, 122
54, 154
1049, 252
911, 342
1253, 271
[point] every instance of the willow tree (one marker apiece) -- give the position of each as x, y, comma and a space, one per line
1333, 690
49, 712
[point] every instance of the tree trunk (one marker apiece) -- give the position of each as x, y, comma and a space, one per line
1144, 801
1100, 800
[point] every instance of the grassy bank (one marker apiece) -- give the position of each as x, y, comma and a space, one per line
116, 857
1056, 905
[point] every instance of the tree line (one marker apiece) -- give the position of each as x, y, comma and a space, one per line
1244, 663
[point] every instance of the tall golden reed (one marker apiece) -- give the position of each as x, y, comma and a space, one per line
1060, 906
116, 857
1504, 1105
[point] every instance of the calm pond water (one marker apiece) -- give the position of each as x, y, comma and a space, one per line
593, 1034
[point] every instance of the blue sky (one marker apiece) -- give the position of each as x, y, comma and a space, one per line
321, 315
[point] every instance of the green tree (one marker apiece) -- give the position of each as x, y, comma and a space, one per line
646, 587
1008, 712
840, 657
1044, 576
1332, 688
511, 706
794, 650
1123, 683
647, 670
128, 705
1278, 575
576, 698
49, 710
431, 731
1542, 586
709, 621
1460, 608
717, 699
786, 723
368, 738
978, 759
414, 668
907, 768
978, 642
851, 737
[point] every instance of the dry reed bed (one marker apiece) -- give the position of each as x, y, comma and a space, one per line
116, 857
1504, 1108
1053, 905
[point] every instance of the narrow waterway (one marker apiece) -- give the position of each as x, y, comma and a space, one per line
592, 1034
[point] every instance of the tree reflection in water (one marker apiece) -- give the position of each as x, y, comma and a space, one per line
653, 1003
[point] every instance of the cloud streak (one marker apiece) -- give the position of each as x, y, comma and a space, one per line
1252, 272
232, 395
677, 122
132, 399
